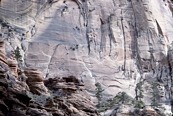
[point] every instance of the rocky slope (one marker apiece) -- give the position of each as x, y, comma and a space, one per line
26, 93
119, 49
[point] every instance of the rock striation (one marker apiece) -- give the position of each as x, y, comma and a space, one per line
27, 93
14, 101
116, 48
70, 96
34, 80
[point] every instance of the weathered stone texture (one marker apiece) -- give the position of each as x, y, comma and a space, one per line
117, 43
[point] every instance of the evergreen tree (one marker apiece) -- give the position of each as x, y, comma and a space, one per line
17, 54
99, 91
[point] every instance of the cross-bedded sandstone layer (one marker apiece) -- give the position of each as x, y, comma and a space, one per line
120, 45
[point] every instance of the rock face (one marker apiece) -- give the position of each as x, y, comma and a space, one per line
24, 93
69, 94
111, 46
63, 99
14, 101
35, 81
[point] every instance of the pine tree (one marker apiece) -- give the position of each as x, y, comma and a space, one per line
99, 91
17, 54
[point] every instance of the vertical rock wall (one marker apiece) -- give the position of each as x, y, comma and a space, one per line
120, 44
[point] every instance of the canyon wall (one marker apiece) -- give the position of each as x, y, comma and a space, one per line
119, 46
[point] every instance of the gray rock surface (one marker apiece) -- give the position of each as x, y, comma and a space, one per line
125, 45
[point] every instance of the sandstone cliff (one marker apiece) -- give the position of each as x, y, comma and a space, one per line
116, 48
